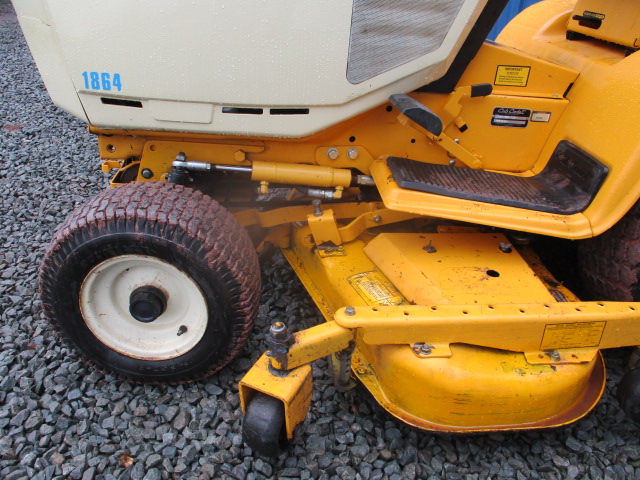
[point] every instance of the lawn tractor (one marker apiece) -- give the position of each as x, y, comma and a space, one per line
405, 167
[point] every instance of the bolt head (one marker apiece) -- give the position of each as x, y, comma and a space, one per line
422, 348
430, 248
351, 311
333, 153
425, 350
146, 173
377, 219
353, 153
505, 247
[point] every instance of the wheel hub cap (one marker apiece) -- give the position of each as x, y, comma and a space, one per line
147, 303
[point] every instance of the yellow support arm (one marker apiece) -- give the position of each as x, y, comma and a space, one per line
566, 332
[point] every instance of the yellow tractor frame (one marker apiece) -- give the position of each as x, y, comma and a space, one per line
456, 329
434, 301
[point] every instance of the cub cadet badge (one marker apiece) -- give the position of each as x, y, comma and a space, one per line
510, 117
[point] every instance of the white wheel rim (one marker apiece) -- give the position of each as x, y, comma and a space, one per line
104, 303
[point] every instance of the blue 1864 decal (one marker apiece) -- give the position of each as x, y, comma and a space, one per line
102, 81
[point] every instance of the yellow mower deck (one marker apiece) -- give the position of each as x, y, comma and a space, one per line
477, 389
452, 331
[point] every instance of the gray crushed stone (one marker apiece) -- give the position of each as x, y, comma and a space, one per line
62, 419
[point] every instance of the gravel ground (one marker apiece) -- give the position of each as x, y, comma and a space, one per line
62, 419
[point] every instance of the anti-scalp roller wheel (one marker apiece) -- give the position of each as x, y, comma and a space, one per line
263, 427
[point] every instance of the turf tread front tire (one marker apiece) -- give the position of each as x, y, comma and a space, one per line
186, 223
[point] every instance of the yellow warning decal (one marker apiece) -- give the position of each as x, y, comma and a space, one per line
512, 76
572, 335
376, 289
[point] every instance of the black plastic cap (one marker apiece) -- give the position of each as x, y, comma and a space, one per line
417, 112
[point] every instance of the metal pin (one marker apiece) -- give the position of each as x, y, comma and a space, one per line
317, 211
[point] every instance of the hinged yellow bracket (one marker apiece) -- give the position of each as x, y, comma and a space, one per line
293, 388
450, 113
289, 378
314, 343
372, 219
451, 110
454, 148
324, 228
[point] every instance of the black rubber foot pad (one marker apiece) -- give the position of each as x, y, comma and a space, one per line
566, 186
